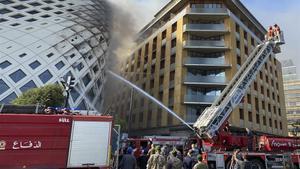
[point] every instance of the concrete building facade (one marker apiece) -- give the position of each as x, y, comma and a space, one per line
42, 41
186, 56
291, 84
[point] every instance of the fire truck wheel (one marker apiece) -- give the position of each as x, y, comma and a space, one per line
256, 164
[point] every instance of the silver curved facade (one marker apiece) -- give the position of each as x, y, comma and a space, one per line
42, 41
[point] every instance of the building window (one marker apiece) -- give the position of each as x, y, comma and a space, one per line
239, 60
173, 43
33, 12
246, 50
35, 4
263, 105
238, 44
146, 50
3, 87
250, 116
249, 98
172, 75
153, 55
255, 86
161, 80
256, 105
163, 52
59, 65
164, 34
174, 27
262, 90
28, 86
34, 64
270, 122
17, 16
9, 98
152, 84
154, 44
20, 7
264, 120
261, 75
241, 114
45, 76
237, 27
17, 75
96, 69
162, 64
79, 66
280, 125
173, 58
276, 125
5, 64
279, 111
4, 11
47, 8
245, 35
257, 119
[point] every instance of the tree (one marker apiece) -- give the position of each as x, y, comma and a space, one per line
49, 95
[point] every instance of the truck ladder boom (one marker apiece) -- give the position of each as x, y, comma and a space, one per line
214, 117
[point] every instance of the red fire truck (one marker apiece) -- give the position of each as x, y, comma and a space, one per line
34, 141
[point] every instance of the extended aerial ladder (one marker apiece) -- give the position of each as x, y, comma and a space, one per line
213, 118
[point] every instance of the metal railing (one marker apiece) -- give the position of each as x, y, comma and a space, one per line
205, 79
211, 27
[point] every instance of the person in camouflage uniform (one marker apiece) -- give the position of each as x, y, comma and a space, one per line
173, 161
156, 161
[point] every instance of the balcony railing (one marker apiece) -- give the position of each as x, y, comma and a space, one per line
209, 27
205, 79
205, 99
206, 61
223, 11
204, 43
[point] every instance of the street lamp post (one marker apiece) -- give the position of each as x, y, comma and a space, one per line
130, 111
68, 86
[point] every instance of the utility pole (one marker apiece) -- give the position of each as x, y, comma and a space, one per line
68, 86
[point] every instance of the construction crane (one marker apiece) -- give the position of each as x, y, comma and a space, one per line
214, 118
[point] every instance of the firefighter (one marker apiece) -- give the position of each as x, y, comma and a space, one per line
173, 161
270, 34
200, 164
156, 161
277, 31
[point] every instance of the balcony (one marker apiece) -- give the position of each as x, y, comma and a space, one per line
199, 99
205, 80
206, 29
205, 45
208, 12
206, 62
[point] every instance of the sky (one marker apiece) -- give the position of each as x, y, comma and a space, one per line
268, 12
286, 14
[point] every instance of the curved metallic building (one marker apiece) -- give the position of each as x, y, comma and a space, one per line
42, 41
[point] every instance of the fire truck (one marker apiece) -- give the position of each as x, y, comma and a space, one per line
218, 141
29, 140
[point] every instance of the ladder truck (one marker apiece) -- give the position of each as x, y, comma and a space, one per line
264, 151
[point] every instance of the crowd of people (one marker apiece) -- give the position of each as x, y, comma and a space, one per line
63, 111
157, 157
